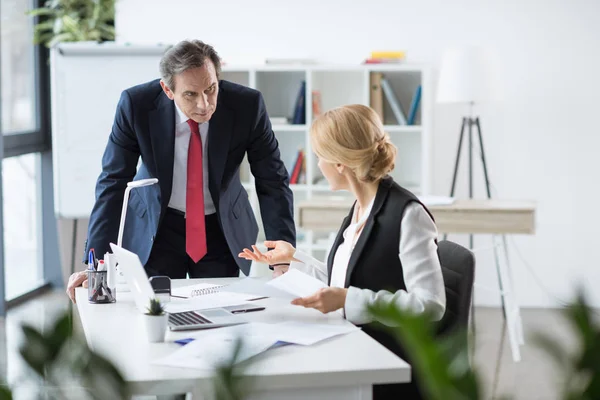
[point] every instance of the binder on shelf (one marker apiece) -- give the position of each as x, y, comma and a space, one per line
414, 106
376, 94
394, 103
300, 107
294, 179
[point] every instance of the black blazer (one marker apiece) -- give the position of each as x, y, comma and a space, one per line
374, 262
145, 126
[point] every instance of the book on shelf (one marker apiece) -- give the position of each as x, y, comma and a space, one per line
393, 101
376, 94
386, 57
296, 171
300, 106
414, 106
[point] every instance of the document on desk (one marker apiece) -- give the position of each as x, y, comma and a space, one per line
297, 283
307, 334
212, 300
289, 286
216, 347
212, 347
198, 289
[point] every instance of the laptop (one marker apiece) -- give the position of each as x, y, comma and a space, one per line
133, 270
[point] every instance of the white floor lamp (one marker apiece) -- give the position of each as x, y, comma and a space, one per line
468, 76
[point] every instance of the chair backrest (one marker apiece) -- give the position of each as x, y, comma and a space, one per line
458, 269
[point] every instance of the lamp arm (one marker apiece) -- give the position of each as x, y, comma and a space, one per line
123, 215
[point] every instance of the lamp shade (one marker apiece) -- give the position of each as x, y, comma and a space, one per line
468, 75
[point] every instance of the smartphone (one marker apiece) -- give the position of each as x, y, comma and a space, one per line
161, 284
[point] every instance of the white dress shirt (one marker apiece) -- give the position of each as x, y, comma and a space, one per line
182, 144
420, 266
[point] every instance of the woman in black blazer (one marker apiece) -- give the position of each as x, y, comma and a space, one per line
386, 249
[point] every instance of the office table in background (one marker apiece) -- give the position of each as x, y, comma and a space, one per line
462, 216
344, 367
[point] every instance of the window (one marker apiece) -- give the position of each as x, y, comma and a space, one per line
18, 57
22, 245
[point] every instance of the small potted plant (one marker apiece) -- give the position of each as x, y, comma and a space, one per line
156, 321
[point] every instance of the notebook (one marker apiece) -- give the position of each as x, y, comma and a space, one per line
199, 289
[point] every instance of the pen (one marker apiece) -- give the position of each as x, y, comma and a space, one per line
91, 260
94, 259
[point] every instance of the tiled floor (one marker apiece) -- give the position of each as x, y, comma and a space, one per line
532, 379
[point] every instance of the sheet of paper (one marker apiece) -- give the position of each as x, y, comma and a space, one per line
297, 283
213, 300
211, 347
308, 334
258, 287
293, 332
216, 348
186, 291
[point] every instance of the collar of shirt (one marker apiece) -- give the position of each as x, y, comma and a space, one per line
353, 227
180, 118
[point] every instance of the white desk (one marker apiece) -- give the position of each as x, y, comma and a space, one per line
340, 368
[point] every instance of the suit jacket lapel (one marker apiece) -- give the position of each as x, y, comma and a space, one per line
337, 242
220, 129
162, 136
380, 197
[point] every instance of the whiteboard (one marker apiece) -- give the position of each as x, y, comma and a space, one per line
86, 83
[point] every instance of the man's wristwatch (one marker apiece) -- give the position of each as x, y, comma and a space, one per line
272, 267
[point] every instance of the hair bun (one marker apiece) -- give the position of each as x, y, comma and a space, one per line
384, 158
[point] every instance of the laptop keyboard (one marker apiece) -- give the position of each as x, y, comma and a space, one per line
187, 318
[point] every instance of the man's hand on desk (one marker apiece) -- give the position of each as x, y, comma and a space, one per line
75, 280
325, 300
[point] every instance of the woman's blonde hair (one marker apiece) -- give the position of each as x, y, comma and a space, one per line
353, 136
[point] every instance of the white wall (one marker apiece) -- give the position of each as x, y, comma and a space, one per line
542, 144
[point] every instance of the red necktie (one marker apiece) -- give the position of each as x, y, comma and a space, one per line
195, 231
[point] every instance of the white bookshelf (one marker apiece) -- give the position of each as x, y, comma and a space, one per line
338, 85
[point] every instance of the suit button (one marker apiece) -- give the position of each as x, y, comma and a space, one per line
152, 238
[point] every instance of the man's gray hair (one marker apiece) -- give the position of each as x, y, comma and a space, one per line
185, 55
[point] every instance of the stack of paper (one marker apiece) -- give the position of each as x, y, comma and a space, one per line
213, 347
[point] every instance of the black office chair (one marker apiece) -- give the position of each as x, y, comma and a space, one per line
458, 269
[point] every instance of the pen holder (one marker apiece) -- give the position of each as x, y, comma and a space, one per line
98, 290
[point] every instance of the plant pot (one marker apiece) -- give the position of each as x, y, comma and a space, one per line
156, 327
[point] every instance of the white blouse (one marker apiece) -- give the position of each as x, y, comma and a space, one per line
420, 265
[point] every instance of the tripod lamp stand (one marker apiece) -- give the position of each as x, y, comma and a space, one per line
467, 77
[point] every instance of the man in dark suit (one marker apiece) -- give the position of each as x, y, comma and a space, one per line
192, 132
